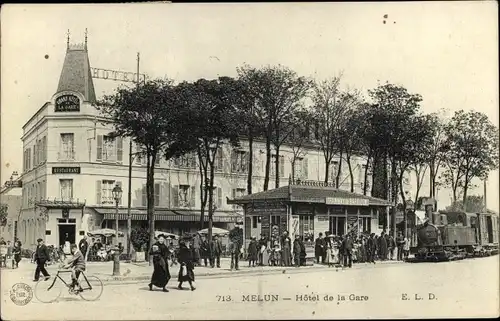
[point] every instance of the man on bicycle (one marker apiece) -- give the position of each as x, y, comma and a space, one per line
77, 264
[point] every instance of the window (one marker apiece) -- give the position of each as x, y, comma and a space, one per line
273, 166
306, 227
67, 151
139, 160
238, 192
337, 225
156, 193
35, 154
239, 161
186, 161
255, 220
44, 149
219, 160
109, 148
334, 168
361, 178
301, 168
104, 192
184, 196
66, 186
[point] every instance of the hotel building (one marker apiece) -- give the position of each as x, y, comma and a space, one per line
71, 164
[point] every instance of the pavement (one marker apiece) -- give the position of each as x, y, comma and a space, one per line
140, 272
466, 289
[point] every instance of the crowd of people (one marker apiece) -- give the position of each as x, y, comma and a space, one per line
365, 248
11, 253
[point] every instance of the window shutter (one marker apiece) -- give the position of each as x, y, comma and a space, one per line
99, 147
233, 161
29, 158
282, 166
157, 194
305, 169
98, 192
119, 149
192, 202
35, 155
247, 161
157, 160
175, 196
220, 159
219, 197
144, 195
44, 148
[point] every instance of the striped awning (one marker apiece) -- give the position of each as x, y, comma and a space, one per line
169, 215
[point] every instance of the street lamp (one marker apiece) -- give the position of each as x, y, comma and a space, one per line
117, 195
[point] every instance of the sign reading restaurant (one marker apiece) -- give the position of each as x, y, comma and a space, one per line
65, 103
65, 170
346, 201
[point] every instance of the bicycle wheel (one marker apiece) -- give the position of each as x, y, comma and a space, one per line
91, 288
48, 291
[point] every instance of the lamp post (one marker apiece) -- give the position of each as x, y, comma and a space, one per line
117, 195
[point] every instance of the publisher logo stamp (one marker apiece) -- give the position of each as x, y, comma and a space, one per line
21, 294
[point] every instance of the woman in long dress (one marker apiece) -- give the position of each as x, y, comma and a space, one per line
161, 273
16, 252
329, 251
186, 272
286, 247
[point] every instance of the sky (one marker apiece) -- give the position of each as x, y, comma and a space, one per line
445, 51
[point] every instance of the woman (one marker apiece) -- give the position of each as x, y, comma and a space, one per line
328, 243
16, 252
286, 246
296, 251
186, 272
406, 248
161, 273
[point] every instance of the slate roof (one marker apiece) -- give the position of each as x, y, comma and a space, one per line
311, 194
76, 74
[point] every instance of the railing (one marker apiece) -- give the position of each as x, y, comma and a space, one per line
299, 182
66, 155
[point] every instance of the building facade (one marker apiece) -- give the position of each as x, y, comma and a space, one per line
71, 164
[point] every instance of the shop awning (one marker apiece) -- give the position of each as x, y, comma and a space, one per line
109, 213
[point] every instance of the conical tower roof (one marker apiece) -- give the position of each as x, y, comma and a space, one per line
76, 74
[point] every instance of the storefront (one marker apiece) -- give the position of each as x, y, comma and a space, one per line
309, 208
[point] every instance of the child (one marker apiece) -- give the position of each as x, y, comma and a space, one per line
252, 252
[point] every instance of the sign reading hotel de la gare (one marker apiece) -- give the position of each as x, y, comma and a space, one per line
67, 103
66, 170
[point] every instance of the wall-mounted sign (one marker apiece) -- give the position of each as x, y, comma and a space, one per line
65, 103
346, 201
17, 183
116, 75
65, 170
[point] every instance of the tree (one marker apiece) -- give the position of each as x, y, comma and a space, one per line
278, 92
400, 131
437, 150
350, 131
299, 135
419, 170
472, 142
329, 113
212, 123
152, 116
473, 204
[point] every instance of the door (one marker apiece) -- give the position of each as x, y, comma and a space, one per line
489, 228
67, 232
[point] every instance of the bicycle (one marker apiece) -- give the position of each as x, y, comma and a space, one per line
89, 289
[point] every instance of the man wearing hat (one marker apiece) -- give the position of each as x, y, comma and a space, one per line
41, 257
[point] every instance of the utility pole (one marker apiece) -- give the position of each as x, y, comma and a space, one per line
129, 200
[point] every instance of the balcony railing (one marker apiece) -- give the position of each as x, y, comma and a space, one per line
66, 155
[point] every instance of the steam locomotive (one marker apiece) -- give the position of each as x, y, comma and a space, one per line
448, 236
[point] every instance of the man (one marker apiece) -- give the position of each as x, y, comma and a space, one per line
76, 264
204, 250
347, 247
83, 245
319, 249
215, 251
371, 248
41, 257
236, 239
196, 249
382, 247
400, 243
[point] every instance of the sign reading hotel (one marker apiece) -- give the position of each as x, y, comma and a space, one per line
65, 170
346, 201
67, 103
116, 75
